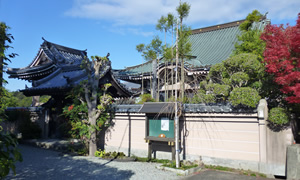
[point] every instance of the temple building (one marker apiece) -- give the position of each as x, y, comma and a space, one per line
56, 69
210, 45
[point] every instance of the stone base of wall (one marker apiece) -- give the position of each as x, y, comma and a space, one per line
269, 169
293, 161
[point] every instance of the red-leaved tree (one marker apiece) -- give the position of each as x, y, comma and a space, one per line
282, 58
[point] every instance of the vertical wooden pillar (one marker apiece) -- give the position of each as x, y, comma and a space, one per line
149, 150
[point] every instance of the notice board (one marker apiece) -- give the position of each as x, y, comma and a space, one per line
161, 125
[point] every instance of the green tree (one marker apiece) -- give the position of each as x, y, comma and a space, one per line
184, 47
9, 154
249, 40
163, 25
89, 111
235, 80
172, 21
152, 52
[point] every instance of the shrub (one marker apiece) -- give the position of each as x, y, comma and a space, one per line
145, 98
244, 96
278, 116
201, 97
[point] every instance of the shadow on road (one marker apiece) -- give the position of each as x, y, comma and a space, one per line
45, 164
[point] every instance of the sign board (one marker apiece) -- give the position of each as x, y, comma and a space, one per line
161, 125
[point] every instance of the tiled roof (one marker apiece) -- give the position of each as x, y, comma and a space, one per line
139, 69
188, 108
56, 69
210, 45
56, 55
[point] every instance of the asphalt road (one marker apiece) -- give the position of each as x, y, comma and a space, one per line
213, 175
42, 164
45, 164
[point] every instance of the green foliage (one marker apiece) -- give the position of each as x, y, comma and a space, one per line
183, 10
145, 98
18, 99
109, 155
217, 73
244, 96
9, 154
218, 89
245, 62
279, 116
171, 22
162, 24
228, 81
242, 69
255, 16
184, 45
220, 168
239, 79
215, 93
100, 153
151, 51
77, 113
249, 40
201, 97
5, 40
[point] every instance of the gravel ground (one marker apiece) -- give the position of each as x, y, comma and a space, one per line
46, 164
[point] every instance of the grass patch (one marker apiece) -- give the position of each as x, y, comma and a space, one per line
109, 155
142, 159
262, 175
172, 164
240, 171
220, 168
166, 163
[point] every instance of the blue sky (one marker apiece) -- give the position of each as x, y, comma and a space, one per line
116, 26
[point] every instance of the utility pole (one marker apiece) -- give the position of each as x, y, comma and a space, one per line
177, 150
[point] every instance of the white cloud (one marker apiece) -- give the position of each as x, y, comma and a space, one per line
142, 12
126, 30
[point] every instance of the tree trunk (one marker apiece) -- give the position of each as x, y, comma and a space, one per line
93, 138
182, 69
154, 79
182, 79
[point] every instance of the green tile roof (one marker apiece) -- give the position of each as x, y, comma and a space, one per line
210, 45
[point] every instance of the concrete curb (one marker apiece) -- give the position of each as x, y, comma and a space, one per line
179, 171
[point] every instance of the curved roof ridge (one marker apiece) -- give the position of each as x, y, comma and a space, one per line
136, 66
218, 26
65, 48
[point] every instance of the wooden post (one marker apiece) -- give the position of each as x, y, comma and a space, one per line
149, 149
